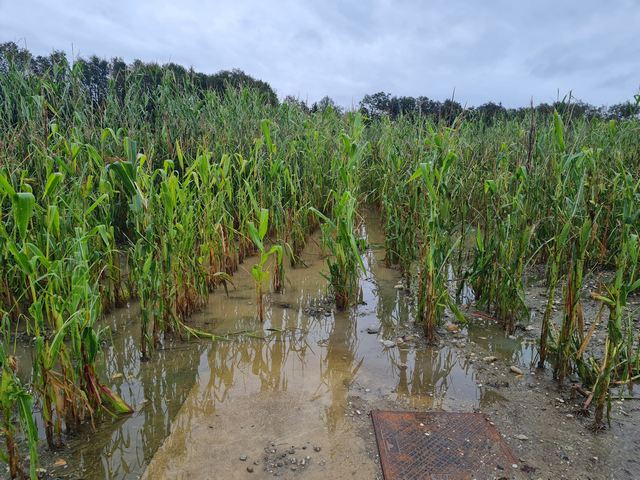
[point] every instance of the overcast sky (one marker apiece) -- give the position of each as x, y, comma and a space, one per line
501, 50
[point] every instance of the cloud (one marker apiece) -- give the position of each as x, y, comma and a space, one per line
493, 50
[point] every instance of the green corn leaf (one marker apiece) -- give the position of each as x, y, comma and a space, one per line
264, 223
96, 204
57, 342
264, 125
23, 203
25, 409
5, 186
564, 233
180, 156
255, 236
558, 131
52, 184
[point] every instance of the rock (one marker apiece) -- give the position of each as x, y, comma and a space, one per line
250, 469
452, 328
243, 458
388, 343
399, 341
528, 328
399, 286
60, 463
317, 449
516, 370
373, 330
292, 451
490, 359
521, 437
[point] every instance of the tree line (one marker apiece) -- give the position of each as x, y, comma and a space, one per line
98, 75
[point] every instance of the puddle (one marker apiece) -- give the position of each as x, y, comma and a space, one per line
122, 448
210, 403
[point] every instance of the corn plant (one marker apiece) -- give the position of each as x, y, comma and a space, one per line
618, 361
437, 242
15, 400
502, 245
345, 248
258, 271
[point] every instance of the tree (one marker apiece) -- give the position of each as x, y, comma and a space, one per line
296, 102
326, 103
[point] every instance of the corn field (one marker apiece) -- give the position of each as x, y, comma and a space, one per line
158, 197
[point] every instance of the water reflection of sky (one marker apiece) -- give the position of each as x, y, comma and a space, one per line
327, 358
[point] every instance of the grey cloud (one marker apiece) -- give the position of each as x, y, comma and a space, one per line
493, 50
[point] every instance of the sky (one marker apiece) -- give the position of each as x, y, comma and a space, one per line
489, 50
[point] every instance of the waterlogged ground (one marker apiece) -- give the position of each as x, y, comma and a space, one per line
292, 398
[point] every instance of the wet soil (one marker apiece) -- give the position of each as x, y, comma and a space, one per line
292, 399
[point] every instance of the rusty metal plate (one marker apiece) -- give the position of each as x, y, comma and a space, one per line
439, 446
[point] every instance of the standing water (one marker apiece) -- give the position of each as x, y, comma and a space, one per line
209, 410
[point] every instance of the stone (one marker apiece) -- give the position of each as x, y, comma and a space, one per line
243, 458
373, 330
388, 343
522, 437
250, 469
516, 370
490, 359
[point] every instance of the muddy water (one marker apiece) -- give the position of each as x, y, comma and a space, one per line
293, 387
121, 448
201, 405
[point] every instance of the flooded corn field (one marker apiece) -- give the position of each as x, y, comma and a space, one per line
201, 279
297, 388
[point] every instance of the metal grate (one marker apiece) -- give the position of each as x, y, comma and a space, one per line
439, 446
